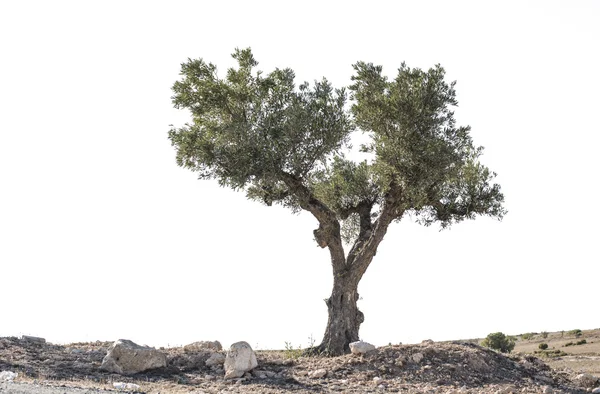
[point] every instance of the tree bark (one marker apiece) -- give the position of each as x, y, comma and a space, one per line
344, 316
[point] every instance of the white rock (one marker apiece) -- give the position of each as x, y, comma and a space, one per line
377, 380
8, 376
127, 357
202, 346
126, 386
215, 359
319, 373
596, 390
361, 347
239, 360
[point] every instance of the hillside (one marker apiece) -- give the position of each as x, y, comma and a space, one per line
449, 368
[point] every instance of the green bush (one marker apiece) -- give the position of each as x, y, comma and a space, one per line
528, 335
544, 334
582, 342
550, 353
499, 341
543, 346
568, 344
577, 332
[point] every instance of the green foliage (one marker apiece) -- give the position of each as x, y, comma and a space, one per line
291, 352
543, 346
419, 147
284, 144
529, 335
499, 341
576, 333
581, 342
249, 129
550, 353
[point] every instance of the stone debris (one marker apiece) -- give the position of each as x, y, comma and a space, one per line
417, 357
8, 376
215, 360
202, 346
586, 380
361, 347
240, 359
318, 374
30, 339
127, 357
126, 386
446, 368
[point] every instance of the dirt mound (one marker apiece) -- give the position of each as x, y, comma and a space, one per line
457, 367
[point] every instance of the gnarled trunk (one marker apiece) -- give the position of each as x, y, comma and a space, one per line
344, 316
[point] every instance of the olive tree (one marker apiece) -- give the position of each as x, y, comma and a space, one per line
287, 144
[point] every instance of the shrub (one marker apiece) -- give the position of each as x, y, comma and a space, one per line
577, 332
582, 342
528, 335
499, 341
568, 344
543, 346
544, 334
550, 353
291, 352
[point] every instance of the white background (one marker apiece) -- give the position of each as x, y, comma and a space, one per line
103, 237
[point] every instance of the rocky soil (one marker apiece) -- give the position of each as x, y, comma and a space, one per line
457, 367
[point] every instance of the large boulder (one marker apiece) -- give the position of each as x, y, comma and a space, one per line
203, 346
127, 357
239, 360
361, 347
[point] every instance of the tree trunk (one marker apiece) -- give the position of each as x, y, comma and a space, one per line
344, 317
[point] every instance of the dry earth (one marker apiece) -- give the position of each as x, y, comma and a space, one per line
451, 367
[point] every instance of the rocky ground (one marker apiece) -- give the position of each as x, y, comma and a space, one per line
456, 367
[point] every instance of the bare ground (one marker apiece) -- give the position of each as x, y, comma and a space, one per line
455, 367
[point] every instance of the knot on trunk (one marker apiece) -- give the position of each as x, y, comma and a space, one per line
360, 317
321, 236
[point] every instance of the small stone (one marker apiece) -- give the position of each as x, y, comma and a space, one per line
31, 339
126, 386
417, 357
319, 373
209, 377
361, 347
427, 342
596, 390
202, 346
506, 390
8, 376
377, 380
215, 359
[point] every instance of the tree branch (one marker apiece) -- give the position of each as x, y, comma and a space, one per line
367, 243
328, 234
